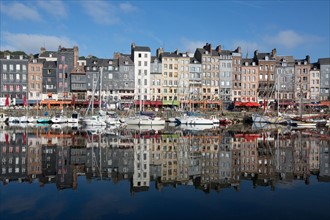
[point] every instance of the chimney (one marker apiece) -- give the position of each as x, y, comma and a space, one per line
219, 48
159, 52
176, 51
274, 53
255, 53
116, 55
132, 51
208, 47
308, 59
239, 50
42, 50
75, 57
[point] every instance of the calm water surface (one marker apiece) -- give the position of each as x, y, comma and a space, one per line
172, 173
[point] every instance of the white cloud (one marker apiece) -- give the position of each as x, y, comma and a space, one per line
127, 7
101, 12
31, 43
56, 8
290, 39
20, 11
191, 45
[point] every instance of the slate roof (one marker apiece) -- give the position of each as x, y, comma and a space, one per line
100, 62
123, 58
14, 57
50, 65
78, 70
249, 60
324, 61
193, 60
262, 56
141, 48
170, 54
225, 52
47, 54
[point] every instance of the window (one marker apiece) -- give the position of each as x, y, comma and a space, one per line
18, 76
18, 67
4, 66
11, 67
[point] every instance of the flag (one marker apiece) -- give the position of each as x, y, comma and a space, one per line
24, 101
7, 101
7, 138
24, 138
73, 102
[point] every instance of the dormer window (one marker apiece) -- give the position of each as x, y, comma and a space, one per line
126, 62
94, 62
246, 63
266, 58
253, 63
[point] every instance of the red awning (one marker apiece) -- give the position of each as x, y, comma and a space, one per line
251, 104
148, 102
247, 104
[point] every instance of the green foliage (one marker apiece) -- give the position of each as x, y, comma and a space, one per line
12, 52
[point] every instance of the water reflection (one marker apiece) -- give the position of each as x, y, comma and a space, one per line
209, 159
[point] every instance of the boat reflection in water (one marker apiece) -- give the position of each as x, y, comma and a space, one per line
211, 159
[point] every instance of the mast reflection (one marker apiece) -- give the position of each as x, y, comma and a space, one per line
210, 159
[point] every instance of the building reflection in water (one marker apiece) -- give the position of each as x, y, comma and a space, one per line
209, 159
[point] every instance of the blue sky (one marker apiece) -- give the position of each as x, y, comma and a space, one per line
100, 28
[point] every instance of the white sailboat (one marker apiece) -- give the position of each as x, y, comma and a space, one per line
142, 119
60, 118
95, 120
268, 118
74, 119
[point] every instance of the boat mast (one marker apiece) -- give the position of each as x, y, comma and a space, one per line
101, 73
63, 67
141, 92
